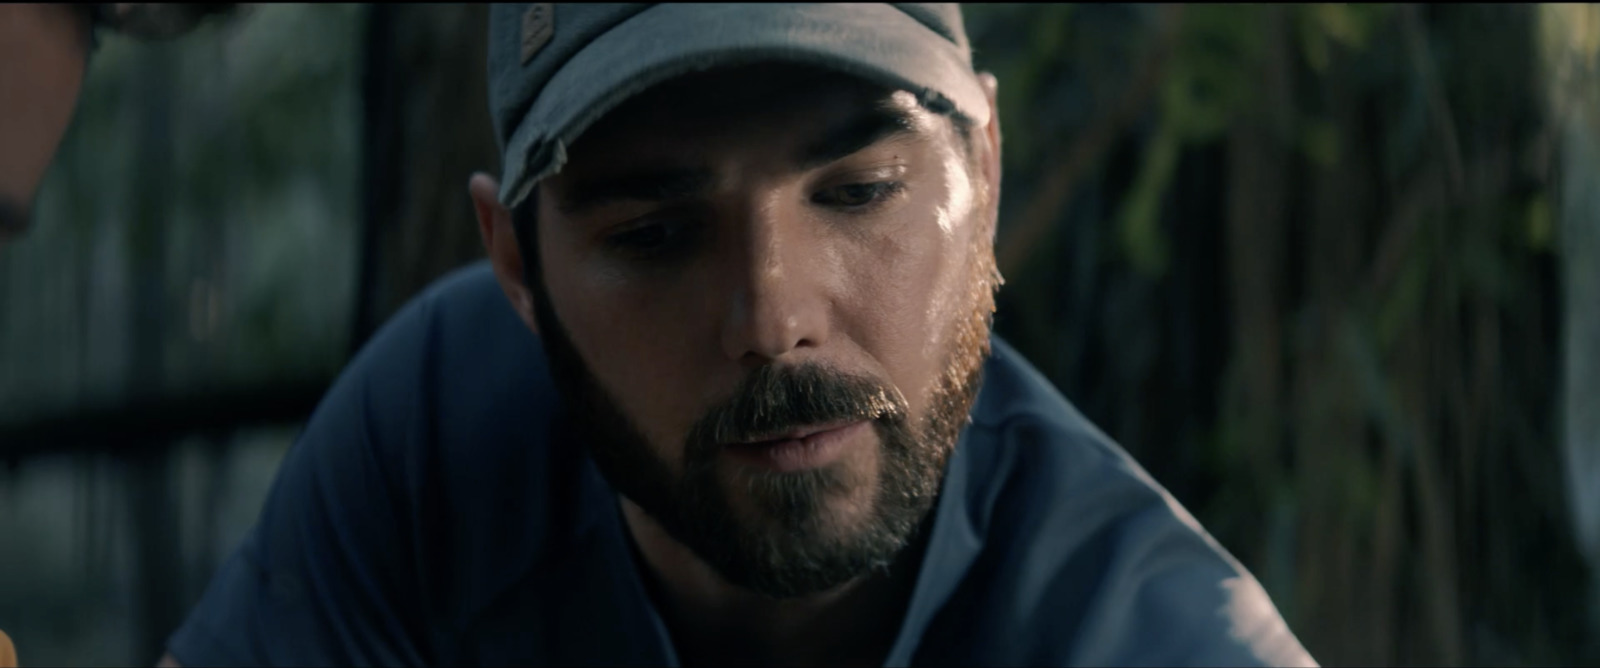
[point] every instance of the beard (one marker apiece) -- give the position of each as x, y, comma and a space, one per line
789, 542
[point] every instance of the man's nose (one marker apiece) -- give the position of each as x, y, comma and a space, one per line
777, 301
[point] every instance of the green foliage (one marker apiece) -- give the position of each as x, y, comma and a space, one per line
1401, 307
1049, 37
1319, 142
1323, 26
1376, 386
1209, 84
1408, 322
1208, 81
1539, 224
1022, 67
1138, 229
1484, 262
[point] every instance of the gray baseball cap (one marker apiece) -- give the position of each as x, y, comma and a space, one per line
556, 68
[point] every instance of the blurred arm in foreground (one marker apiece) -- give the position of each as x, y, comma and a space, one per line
44, 53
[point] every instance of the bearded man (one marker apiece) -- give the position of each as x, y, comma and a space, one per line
724, 392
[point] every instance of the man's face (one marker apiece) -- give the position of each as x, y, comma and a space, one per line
766, 297
43, 49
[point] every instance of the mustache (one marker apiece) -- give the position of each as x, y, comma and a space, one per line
774, 399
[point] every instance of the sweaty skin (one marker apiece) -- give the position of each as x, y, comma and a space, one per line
874, 263
43, 53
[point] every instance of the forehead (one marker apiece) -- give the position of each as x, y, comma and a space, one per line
766, 102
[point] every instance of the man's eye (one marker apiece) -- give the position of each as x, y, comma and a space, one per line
649, 239
858, 195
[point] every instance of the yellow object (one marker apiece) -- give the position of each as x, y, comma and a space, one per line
8, 653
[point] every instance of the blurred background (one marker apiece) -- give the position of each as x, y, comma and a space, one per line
1330, 272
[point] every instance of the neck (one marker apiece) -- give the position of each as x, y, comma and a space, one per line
713, 622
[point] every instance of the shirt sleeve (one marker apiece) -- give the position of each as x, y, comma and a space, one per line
1185, 601
327, 575
1168, 593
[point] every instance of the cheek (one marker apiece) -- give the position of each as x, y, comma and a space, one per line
907, 292
634, 341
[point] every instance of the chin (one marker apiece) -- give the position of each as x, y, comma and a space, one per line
827, 503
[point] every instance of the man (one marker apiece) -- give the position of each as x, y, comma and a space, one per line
759, 419
44, 52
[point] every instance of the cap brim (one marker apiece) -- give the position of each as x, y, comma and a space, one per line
875, 41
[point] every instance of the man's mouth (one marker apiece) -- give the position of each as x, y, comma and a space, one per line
800, 448
795, 433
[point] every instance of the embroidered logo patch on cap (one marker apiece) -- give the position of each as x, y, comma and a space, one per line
538, 25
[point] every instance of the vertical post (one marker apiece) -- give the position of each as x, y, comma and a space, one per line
380, 145
1580, 257
1571, 69
426, 129
149, 488
1257, 246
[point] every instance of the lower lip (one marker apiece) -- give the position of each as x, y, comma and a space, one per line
798, 454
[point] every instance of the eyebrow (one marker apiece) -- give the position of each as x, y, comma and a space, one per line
650, 185
679, 183
873, 126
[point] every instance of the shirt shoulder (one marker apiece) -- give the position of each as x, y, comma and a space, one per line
464, 399
1084, 558
422, 488
529, 565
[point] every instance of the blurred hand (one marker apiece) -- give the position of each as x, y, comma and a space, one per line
8, 653
44, 52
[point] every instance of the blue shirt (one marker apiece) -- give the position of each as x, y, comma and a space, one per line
428, 516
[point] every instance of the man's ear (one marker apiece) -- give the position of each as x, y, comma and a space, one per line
500, 240
991, 132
